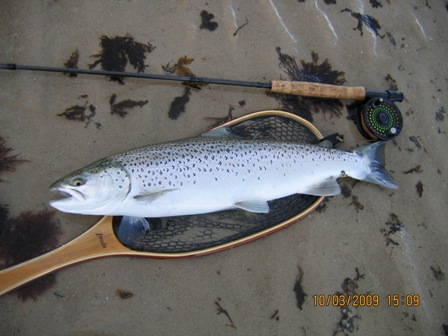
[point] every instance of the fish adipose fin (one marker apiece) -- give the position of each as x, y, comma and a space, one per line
378, 175
253, 206
328, 187
132, 229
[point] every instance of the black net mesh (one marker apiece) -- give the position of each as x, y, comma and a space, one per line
199, 232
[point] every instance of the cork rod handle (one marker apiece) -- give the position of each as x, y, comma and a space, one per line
317, 90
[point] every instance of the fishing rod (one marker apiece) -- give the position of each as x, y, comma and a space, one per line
307, 89
380, 118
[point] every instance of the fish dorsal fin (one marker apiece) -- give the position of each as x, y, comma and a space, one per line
328, 187
132, 229
253, 206
149, 197
222, 132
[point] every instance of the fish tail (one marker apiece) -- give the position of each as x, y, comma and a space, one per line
378, 175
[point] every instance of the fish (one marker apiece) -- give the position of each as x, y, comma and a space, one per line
215, 171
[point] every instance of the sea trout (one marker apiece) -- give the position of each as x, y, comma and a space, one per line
213, 172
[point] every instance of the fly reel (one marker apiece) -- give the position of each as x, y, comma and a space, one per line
380, 119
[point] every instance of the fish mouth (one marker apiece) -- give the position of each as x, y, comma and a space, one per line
69, 196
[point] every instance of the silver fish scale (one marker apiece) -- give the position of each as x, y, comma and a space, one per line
204, 160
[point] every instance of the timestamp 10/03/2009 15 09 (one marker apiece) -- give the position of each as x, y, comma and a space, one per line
366, 300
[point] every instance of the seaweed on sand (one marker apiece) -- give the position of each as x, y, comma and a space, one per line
80, 113
328, 2
314, 71
349, 315
117, 51
180, 69
365, 20
207, 22
120, 108
298, 289
72, 63
395, 226
8, 162
376, 3
221, 310
4, 213
24, 237
178, 104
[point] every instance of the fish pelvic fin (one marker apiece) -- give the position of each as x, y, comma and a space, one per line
328, 187
132, 229
253, 206
378, 175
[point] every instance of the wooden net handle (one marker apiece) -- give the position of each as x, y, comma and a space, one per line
97, 242
317, 90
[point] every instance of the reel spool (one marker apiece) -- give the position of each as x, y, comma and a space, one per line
380, 119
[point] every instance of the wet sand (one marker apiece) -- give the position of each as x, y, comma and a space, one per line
370, 241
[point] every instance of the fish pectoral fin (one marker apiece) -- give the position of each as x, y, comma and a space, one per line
148, 198
328, 187
132, 229
253, 206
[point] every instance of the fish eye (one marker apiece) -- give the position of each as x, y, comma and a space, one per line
78, 182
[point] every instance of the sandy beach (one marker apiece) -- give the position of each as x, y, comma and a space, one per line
369, 242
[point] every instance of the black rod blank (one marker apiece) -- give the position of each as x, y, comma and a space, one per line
185, 79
